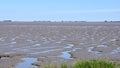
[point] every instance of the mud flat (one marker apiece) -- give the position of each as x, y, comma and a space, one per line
37, 44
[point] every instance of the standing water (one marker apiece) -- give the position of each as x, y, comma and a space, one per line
27, 63
66, 55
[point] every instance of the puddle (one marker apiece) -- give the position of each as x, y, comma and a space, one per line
63, 39
66, 55
58, 42
2, 39
13, 42
27, 63
76, 49
45, 47
113, 40
103, 46
25, 50
90, 50
36, 45
50, 50
117, 50
13, 39
31, 41
64, 36
47, 51
69, 46
9, 52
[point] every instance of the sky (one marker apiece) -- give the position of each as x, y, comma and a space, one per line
60, 10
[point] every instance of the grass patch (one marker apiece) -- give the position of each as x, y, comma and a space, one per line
94, 64
87, 64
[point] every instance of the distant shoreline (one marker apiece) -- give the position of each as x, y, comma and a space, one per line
65, 23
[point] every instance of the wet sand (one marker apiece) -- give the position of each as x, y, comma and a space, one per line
52, 43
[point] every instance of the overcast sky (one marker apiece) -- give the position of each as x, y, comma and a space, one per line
57, 10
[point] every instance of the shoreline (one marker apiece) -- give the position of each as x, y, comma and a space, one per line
61, 23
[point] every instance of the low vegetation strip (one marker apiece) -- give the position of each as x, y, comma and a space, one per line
87, 64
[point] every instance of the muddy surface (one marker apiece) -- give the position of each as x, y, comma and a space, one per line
40, 44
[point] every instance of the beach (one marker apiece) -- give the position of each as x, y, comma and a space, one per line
57, 42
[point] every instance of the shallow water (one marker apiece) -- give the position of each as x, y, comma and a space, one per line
66, 55
1, 39
103, 46
46, 51
96, 53
117, 50
90, 49
13, 42
27, 63
69, 46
